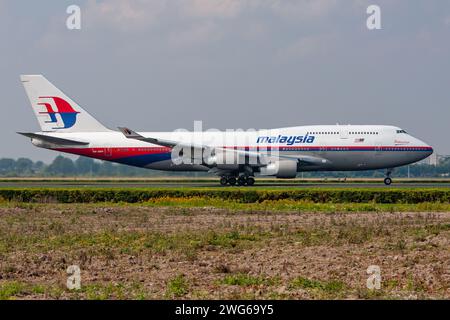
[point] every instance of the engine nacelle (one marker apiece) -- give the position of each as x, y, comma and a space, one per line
223, 160
286, 169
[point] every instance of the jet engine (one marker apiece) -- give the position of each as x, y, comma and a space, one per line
285, 169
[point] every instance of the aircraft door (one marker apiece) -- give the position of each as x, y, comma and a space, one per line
343, 133
378, 145
108, 152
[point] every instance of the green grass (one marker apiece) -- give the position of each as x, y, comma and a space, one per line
109, 243
264, 206
95, 234
10, 290
64, 233
329, 287
245, 280
177, 287
98, 291
237, 195
91, 291
296, 205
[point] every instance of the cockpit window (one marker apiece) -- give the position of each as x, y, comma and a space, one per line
401, 131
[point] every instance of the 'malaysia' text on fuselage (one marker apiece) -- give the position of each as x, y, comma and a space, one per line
289, 140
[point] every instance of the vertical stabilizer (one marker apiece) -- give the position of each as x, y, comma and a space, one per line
54, 110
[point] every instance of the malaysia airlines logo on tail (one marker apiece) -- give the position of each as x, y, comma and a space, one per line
68, 116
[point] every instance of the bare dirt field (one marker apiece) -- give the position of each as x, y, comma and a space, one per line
144, 252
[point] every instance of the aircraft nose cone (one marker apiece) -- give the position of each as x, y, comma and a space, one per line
427, 150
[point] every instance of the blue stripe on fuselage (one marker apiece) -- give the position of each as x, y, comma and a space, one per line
145, 159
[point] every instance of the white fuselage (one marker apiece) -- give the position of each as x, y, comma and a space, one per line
345, 147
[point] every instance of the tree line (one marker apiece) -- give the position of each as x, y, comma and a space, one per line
87, 167
66, 167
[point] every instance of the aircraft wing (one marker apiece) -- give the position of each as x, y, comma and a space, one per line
261, 157
130, 134
53, 140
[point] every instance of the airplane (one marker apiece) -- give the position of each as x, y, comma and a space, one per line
236, 156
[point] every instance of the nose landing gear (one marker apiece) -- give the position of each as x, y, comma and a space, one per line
388, 180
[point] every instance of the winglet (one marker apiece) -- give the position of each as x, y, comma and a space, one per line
130, 134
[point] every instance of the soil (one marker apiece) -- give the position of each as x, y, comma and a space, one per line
291, 255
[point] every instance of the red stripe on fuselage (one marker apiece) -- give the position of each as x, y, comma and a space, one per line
114, 153
331, 148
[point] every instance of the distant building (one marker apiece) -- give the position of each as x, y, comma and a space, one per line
433, 159
442, 158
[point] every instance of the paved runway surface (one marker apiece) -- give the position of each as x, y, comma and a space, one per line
209, 184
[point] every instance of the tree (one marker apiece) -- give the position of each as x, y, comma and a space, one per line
61, 166
24, 166
107, 169
39, 167
7, 166
85, 166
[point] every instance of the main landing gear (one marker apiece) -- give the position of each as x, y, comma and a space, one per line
388, 180
240, 181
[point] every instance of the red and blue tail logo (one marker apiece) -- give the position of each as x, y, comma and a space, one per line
63, 108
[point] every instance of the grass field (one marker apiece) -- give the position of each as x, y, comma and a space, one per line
212, 179
206, 247
238, 195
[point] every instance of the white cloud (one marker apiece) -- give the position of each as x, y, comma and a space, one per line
301, 9
254, 30
5, 10
122, 15
197, 34
214, 8
184, 23
140, 14
307, 47
135, 15
447, 21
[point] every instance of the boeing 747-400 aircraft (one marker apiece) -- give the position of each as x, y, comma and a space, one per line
234, 156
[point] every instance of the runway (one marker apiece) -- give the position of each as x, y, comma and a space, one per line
215, 184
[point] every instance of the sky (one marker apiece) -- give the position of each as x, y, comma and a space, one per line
160, 65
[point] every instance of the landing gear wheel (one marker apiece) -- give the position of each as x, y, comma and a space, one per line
232, 181
223, 181
241, 181
250, 181
387, 181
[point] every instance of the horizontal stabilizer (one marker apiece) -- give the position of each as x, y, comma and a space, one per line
53, 140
